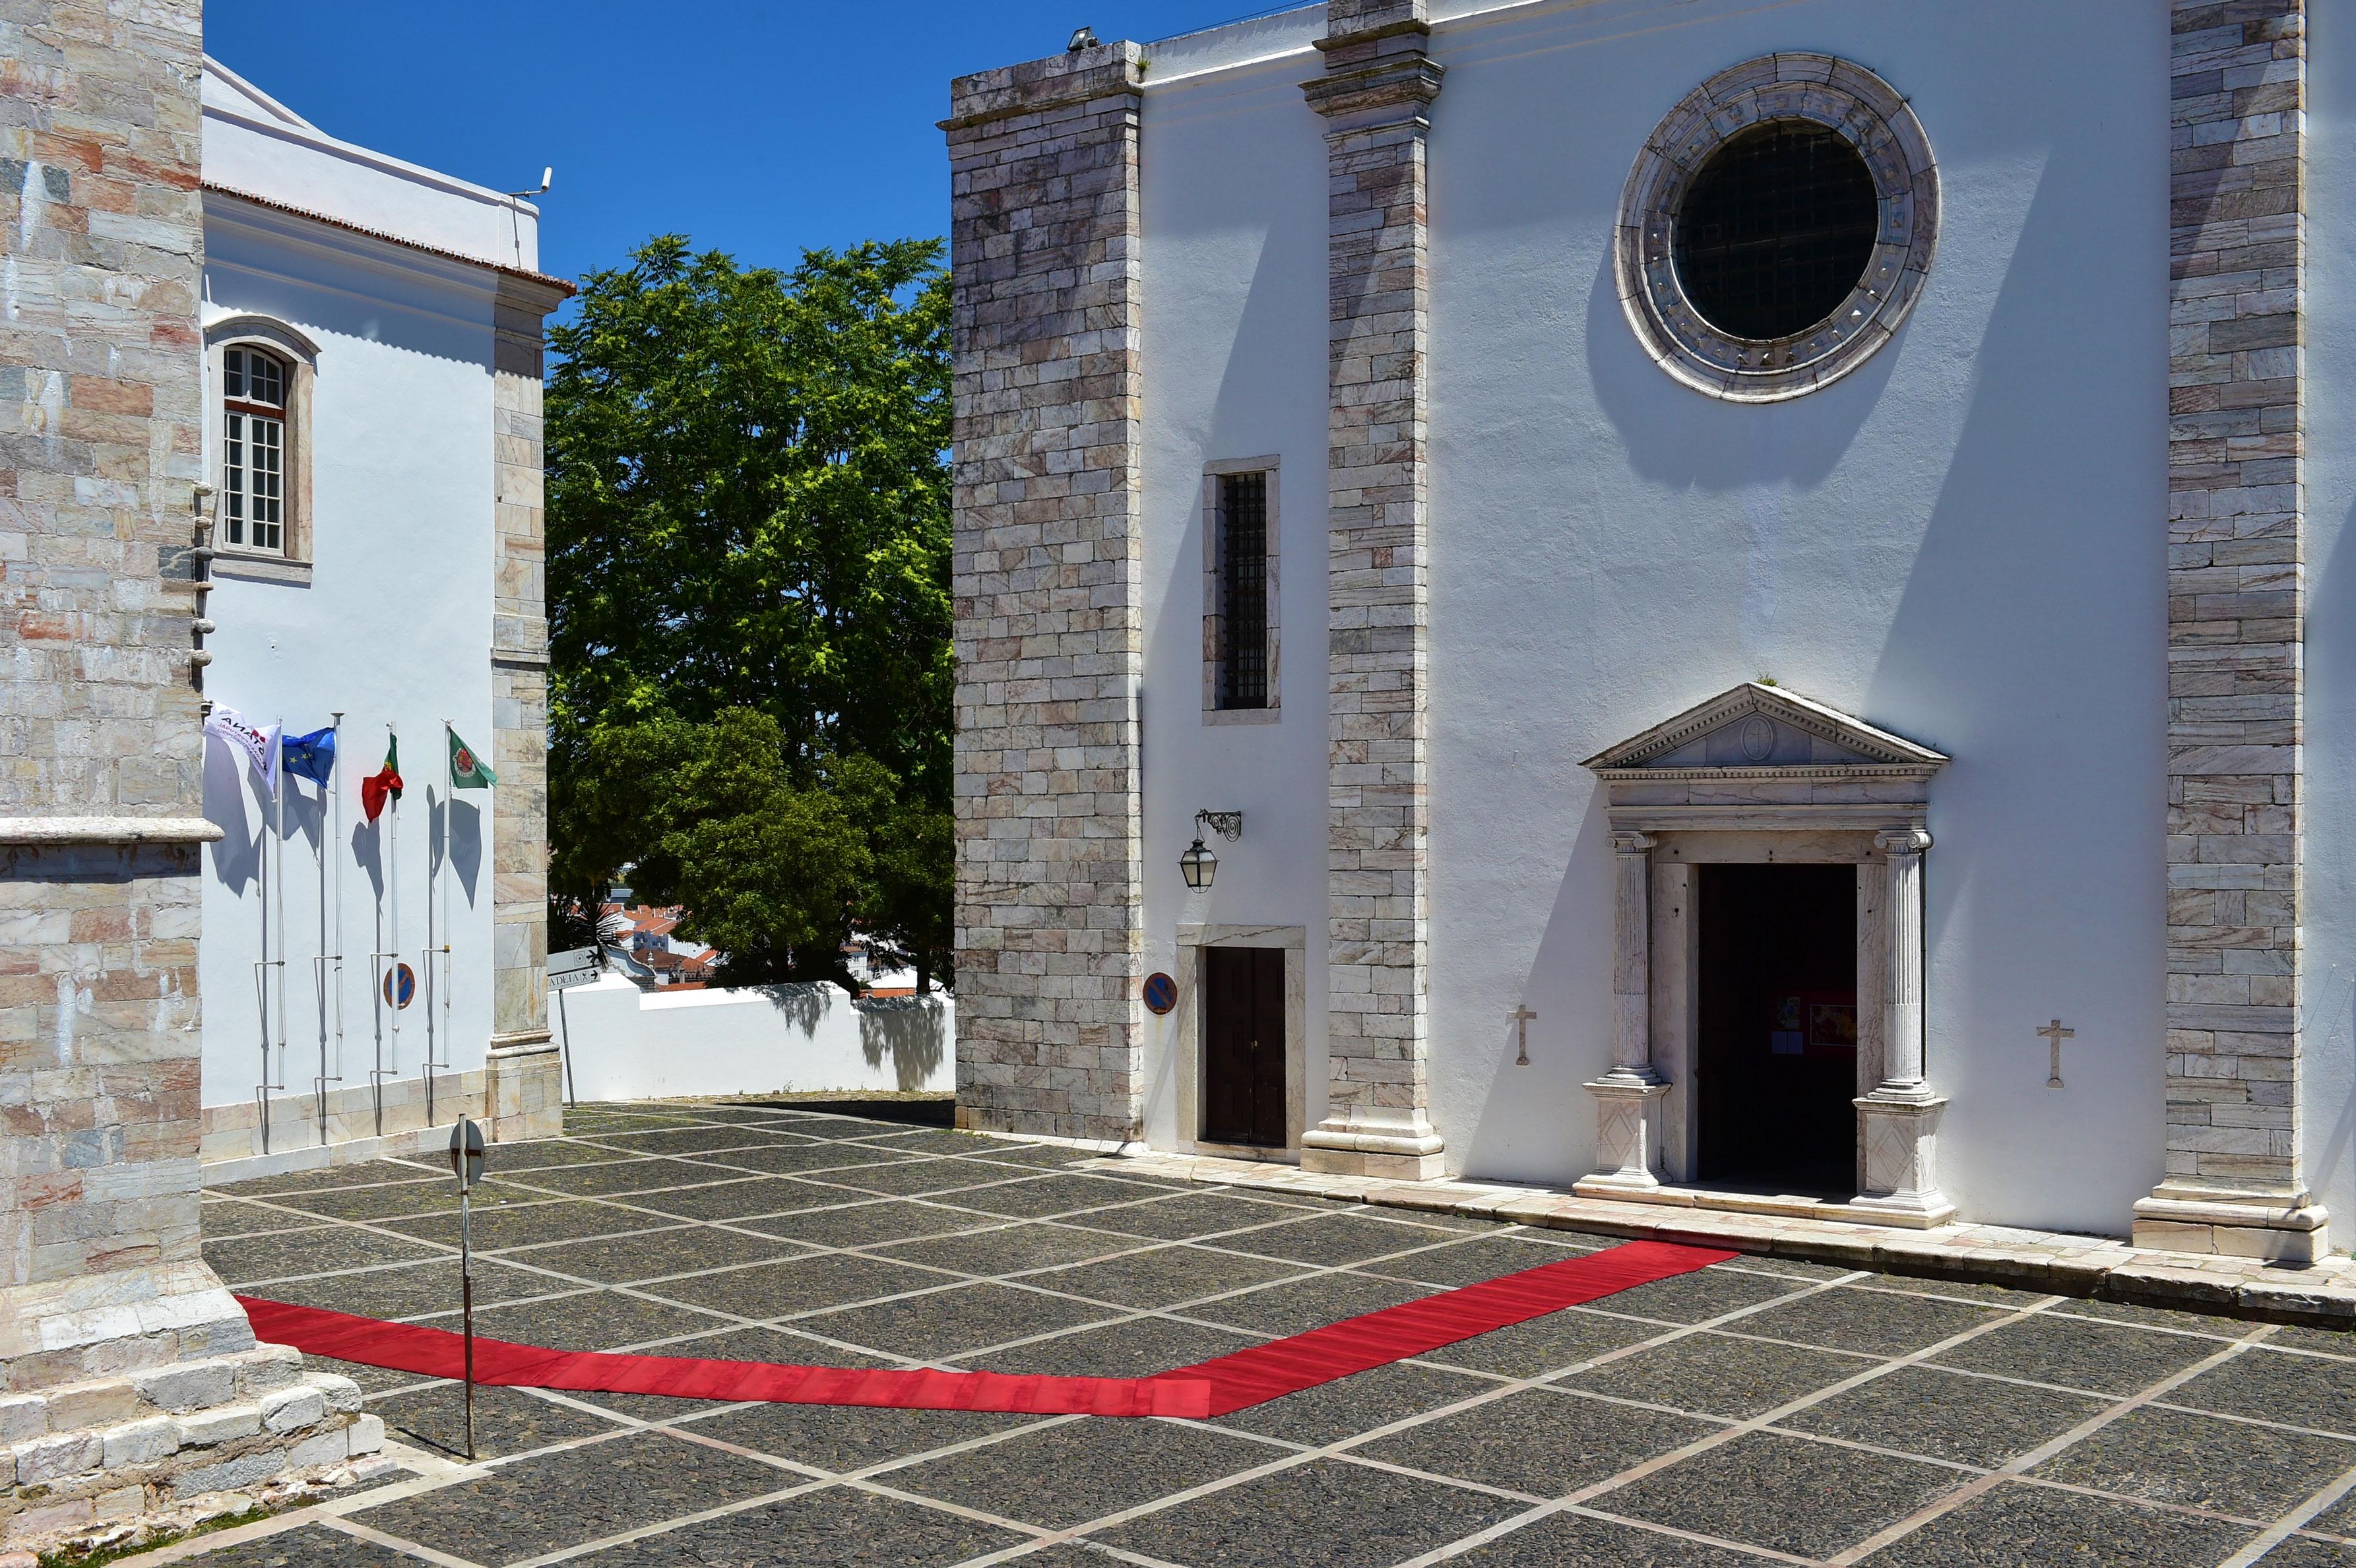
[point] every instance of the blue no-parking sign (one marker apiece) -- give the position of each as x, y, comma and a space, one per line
1161, 993
400, 986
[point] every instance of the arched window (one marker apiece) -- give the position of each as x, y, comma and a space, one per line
254, 450
260, 373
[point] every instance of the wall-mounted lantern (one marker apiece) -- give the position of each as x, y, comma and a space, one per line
1198, 865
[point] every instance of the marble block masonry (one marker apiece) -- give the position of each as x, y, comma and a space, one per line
129, 1377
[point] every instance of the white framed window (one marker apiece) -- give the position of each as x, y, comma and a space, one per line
253, 515
260, 374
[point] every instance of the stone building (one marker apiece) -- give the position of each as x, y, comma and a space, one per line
377, 554
1751, 591
129, 1378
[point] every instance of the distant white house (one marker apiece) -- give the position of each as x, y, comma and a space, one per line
372, 351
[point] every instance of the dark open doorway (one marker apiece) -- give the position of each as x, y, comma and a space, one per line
1243, 1046
1777, 1046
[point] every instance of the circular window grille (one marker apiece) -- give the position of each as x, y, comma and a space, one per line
1777, 227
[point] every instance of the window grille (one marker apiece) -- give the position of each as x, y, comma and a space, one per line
1776, 229
253, 452
1243, 589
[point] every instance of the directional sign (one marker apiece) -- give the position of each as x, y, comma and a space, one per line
400, 986
576, 967
466, 1152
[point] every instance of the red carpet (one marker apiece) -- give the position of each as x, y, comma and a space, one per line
1210, 1388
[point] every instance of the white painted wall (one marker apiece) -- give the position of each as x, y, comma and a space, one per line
259, 145
1961, 542
1235, 348
2329, 1006
621, 1043
393, 628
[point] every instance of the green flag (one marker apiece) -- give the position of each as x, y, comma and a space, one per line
467, 771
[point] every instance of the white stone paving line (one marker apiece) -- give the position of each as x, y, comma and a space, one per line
2283, 1527
2020, 1464
1446, 1238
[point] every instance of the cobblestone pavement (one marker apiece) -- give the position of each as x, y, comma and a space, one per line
1761, 1411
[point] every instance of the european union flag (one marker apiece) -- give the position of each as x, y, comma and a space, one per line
311, 756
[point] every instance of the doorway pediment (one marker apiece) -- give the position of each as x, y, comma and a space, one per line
1753, 729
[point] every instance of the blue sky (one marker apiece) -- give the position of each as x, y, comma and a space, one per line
759, 129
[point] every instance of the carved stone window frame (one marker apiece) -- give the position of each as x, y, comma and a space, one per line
287, 343
1794, 782
1819, 89
1186, 1037
1214, 591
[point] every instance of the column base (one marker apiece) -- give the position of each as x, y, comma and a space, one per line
523, 1092
1899, 1128
1627, 1132
1341, 1146
2188, 1217
132, 1392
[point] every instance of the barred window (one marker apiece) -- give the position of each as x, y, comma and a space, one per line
1776, 229
1243, 591
253, 452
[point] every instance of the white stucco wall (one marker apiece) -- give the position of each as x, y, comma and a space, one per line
256, 145
2329, 1006
621, 1043
1961, 542
393, 627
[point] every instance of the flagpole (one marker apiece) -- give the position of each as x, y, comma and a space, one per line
389, 988
278, 833
449, 810
261, 978
330, 828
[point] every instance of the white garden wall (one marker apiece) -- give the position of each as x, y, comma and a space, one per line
622, 1043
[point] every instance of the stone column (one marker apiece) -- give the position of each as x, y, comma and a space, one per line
1050, 623
1377, 85
2236, 621
1899, 1121
109, 1317
524, 1080
1627, 1097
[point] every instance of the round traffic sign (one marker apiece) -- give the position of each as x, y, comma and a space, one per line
466, 1152
1161, 993
400, 986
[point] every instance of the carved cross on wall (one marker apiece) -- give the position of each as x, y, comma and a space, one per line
2057, 1034
1522, 1016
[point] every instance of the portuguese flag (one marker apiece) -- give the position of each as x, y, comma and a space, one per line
467, 771
385, 782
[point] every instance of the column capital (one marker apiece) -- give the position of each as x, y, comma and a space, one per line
1628, 841
1901, 841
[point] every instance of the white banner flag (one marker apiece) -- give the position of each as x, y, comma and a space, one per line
257, 743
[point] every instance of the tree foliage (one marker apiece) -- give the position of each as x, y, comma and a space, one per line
748, 586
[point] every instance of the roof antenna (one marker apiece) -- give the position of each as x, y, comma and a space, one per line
1082, 39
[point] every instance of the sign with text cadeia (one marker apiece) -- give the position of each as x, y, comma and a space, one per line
576, 966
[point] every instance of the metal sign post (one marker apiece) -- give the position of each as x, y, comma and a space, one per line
466, 1165
577, 966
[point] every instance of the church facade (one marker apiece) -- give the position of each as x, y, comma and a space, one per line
371, 442
1729, 606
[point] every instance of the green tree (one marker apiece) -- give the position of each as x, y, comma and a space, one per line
748, 518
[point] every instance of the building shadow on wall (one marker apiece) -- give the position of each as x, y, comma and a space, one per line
1678, 437
913, 1032
1532, 1114
2026, 646
2328, 1001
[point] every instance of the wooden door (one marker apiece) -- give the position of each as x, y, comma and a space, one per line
1243, 1046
